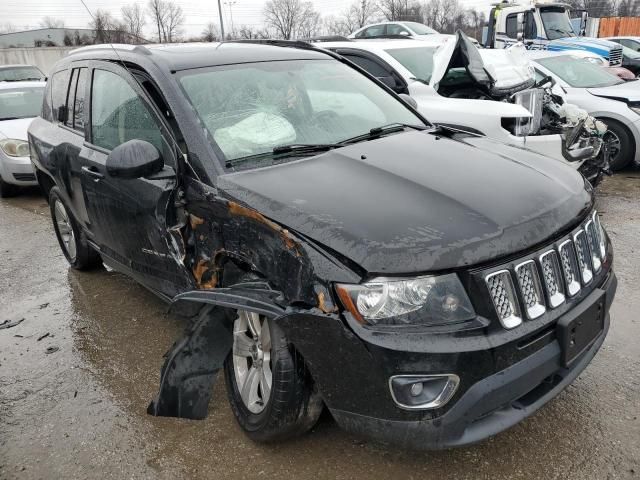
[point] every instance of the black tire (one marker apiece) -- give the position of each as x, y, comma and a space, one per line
294, 404
80, 255
624, 156
7, 190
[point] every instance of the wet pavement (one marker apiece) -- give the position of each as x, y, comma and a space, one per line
80, 411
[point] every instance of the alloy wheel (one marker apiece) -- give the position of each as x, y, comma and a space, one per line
65, 230
613, 144
252, 360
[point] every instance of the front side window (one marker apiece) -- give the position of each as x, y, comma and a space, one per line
20, 102
250, 109
374, 68
512, 25
418, 60
556, 23
375, 31
395, 29
118, 113
579, 72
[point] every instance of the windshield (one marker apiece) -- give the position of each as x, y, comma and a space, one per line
419, 28
17, 74
556, 23
249, 109
418, 60
20, 102
579, 72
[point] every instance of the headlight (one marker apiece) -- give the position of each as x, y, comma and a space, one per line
635, 107
419, 301
15, 148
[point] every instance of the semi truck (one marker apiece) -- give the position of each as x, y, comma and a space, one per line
545, 25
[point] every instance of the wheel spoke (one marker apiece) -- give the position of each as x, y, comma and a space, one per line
254, 324
265, 337
265, 382
249, 392
242, 344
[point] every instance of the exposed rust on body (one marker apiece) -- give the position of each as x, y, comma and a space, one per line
204, 279
239, 210
195, 221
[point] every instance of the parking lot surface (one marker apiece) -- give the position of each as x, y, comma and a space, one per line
77, 374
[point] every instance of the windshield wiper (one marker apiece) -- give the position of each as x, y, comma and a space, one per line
284, 151
378, 132
563, 32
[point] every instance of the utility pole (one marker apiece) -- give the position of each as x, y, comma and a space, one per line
221, 21
231, 3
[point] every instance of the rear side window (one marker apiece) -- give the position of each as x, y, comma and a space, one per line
118, 114
78, 104
70, 94
59, 89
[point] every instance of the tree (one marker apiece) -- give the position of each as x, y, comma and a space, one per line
408, 10
290, 18
134, 20
7, 27
361, 12
102, 23
167, 17
51, 22
210, 33
248, 33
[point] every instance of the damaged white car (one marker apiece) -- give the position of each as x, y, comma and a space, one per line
489, 92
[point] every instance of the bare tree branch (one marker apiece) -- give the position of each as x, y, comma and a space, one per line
134, 20
51, 22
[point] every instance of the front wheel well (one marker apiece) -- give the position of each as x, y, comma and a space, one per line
46, 183
619, 124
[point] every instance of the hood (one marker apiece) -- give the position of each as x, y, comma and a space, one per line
417, 202
498, 70
596, 45
625, 92
15, 128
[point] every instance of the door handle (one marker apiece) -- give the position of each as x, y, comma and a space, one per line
92, 172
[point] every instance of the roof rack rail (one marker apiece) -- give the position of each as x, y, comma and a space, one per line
275, 42
110, 47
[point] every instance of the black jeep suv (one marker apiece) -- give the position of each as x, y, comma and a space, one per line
429, 286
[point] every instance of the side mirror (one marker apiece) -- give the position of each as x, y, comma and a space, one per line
520, 22
409, 100
134, 159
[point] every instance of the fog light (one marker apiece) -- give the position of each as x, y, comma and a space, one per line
423, 392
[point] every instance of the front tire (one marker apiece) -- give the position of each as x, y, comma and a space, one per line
620, 144
270, 390
79, 254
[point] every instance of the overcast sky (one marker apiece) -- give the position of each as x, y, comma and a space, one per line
25, 14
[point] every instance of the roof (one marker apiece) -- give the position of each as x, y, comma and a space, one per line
379, 44
536, 54
18, 65
184, 56
25, 84
623, 37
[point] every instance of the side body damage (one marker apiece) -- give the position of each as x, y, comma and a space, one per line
232, 243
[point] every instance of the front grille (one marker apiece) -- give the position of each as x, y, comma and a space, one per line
504, 298
615, 57
545, 282
25, 177
531, 289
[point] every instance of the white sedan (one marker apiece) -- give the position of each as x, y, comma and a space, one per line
20, 103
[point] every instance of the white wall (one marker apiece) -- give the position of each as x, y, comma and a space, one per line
42, 57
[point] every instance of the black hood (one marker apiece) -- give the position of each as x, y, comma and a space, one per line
416, 202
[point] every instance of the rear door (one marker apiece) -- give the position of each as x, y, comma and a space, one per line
129, 218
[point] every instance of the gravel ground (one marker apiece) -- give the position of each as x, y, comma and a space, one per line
80, 411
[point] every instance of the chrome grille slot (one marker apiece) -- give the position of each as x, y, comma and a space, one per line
601, 236
552, 278
592, 240
570, 267
531, 289
615, 57
504, 298
583, 255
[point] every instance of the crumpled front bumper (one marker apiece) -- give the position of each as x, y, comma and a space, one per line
492, 404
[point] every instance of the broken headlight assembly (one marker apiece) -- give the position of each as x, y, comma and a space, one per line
635, 106
421, 301
15, 148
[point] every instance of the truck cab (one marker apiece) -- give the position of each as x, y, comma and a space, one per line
544, 26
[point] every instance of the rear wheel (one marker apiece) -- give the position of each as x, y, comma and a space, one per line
7, 190
79, 254
620, 144
270, 391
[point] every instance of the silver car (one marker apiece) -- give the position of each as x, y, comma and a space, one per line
20, 103
602, 94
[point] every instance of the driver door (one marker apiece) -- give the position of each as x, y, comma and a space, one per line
129, 219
